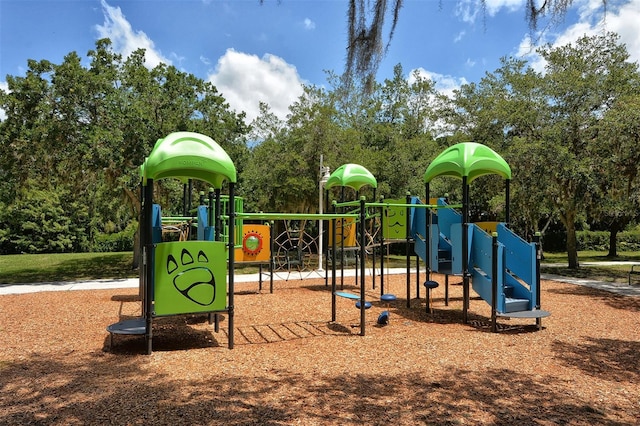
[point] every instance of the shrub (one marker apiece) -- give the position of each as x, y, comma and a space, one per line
117, 241
556, 241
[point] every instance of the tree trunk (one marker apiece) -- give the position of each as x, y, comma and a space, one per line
572, 241
613, 240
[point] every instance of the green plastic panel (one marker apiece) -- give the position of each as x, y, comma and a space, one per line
353, 176
468, 159
190, 277
395, 221
186, 155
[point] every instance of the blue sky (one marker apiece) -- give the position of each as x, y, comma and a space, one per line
254, 52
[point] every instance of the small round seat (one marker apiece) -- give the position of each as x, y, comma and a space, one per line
367, 305
383, 318
388, 297
430, 285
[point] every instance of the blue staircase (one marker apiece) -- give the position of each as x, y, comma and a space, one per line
516, 291
517, 278
441, 249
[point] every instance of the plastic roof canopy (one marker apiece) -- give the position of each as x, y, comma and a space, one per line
353, 176
186, 155
468, 159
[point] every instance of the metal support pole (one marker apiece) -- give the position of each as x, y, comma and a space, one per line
324, 177
141, 244
333, 269
507, 202
494, 282
417, 276
184, 199
363, 241
148, 263
536, 240
408, 248
427, 232
383, 213
272, 247
465, 250
232, 232
446, 290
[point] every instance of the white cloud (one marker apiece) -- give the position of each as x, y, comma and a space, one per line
309, 24
444, 84
494, 6
527, 50
125, 40
626, 22
246, 80
469, 10
459, 37
623, 19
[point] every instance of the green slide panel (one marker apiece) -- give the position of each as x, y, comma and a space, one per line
190, 277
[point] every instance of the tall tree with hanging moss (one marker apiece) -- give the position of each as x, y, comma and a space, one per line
367, 43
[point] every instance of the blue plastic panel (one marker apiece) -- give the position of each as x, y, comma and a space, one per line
520, 260
418, 219
455, 236
481, 265
156, 223
205, 232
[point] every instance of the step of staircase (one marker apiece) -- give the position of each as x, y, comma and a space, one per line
516, 305
508, 291
445, 267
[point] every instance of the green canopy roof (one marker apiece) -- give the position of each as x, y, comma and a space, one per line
468, 159
352, 175
186, 155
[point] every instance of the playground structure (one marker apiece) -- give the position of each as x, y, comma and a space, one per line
504, 269
196, 275
185, 276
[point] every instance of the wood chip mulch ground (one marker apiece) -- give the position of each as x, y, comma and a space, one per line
290, 365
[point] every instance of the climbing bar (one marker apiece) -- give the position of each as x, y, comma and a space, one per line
293, 216
422, 206
383, 204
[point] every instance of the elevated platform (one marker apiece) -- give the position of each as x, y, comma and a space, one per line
525, 314
134, 326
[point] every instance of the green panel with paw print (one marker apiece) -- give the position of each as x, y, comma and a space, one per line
190, 277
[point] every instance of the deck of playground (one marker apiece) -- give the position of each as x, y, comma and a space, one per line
291, 366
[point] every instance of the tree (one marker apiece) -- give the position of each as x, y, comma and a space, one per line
582, 82
506, 110
551, 130
619, 150
83, 133
284, 168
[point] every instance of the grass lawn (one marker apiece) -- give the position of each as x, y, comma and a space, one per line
606, 273
31, 268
